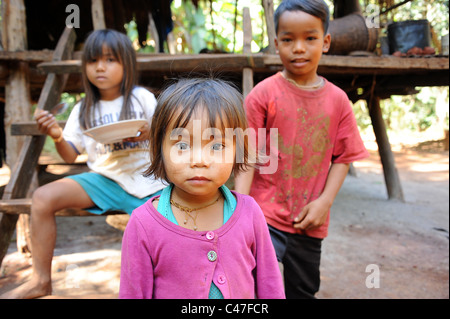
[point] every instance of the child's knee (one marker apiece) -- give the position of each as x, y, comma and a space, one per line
42, 201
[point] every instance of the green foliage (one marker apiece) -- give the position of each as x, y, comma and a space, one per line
189, 26
413, 113
220, 27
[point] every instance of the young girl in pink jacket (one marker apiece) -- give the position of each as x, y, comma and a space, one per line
198, 239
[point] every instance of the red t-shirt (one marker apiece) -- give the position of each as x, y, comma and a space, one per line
315, 128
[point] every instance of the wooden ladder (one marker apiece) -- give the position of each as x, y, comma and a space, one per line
14, 201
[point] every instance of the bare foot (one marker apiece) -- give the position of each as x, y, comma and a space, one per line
29, 290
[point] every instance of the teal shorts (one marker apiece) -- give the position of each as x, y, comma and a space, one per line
107, 195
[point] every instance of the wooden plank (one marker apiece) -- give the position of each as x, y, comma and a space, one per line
26, 56
61, 67
146, 60
175, 63
200, 62
164, 62
369, 64
386, 63
29, 128
236, 63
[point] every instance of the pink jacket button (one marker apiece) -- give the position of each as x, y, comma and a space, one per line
221, 279
210, 235
212, 255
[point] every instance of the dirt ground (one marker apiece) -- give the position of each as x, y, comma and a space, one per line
376, 248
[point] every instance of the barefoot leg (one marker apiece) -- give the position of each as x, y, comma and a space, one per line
46, 201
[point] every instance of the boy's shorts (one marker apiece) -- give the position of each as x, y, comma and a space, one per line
107, 194
300, 256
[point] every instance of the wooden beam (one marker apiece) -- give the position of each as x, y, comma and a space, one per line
175, 63
334, 64
33, 56
26, 56
371, 64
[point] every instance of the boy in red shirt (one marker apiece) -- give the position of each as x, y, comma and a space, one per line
318, 138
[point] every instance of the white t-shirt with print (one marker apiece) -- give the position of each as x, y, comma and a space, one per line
123, 162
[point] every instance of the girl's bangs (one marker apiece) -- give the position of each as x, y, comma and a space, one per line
94, 49
217, 117
216, 102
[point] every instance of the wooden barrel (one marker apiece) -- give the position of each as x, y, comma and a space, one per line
350, 33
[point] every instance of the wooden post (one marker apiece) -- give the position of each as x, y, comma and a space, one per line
98, 16
268, 12
17, 93
391, 177
247, 73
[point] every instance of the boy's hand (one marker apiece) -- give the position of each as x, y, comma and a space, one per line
143, 134
313, 215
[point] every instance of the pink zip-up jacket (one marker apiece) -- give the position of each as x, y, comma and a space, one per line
166, 261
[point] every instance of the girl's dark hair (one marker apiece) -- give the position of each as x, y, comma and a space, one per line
181, 100
317, 8
122, 49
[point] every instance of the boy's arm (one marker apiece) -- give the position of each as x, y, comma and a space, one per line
315, 213
243, 181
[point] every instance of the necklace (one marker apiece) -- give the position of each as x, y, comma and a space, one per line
305, 87
187, 211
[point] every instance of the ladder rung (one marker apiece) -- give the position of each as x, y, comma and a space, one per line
29, 128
